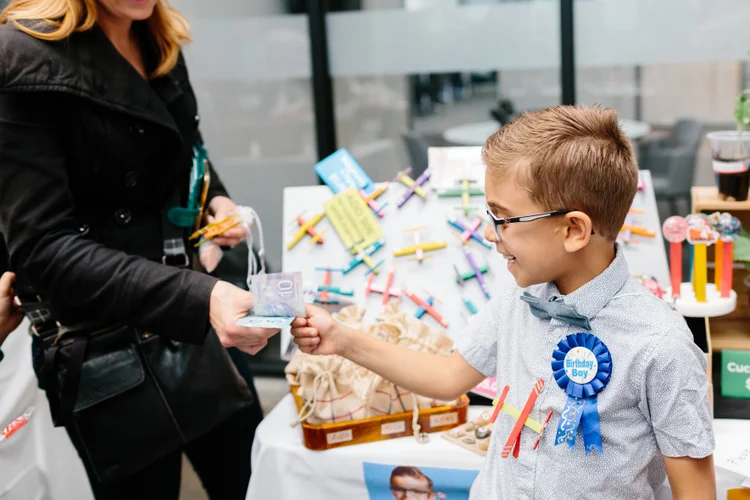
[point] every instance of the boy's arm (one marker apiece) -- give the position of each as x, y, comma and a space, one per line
439, 377
674, 400
691, 478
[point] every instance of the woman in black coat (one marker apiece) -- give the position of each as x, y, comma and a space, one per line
98, 124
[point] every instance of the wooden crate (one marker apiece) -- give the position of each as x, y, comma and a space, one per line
369, 430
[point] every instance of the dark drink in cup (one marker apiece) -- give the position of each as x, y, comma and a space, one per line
730, 152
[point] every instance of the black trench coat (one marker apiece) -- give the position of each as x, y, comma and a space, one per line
89, 154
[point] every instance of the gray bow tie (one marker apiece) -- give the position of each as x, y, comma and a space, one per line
555, 308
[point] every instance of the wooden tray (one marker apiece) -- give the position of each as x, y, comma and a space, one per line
369, 430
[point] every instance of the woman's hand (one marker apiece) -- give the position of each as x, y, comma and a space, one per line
228, 305
219, 208
10, 315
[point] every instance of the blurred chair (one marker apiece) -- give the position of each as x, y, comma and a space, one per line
416, 147
672, 162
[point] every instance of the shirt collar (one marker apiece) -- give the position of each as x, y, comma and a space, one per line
594, 295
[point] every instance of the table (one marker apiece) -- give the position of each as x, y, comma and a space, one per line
284, 468
474, 134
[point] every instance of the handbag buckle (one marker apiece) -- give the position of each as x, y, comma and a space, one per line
175, 254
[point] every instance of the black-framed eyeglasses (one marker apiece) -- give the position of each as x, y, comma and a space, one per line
497, 222
406, 492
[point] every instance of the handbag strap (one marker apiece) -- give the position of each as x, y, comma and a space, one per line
63, 414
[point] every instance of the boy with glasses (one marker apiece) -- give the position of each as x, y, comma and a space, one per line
614, 367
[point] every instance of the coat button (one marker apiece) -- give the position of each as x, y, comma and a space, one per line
123, 216
131, 179
84, 229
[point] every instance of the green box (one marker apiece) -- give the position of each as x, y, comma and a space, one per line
735, 374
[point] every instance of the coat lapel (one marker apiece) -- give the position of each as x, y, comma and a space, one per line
112, 81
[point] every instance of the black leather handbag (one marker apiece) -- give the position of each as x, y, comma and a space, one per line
129, 397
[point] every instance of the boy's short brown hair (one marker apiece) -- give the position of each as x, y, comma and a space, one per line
570, 157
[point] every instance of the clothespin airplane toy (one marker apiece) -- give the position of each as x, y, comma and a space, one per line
426, 306
307, 227
387, 291
465, 191
477, 272
403, 178
326, 289
513, 444
470, 231
467, 302
371, 197
419, 248
214, 229
629, 228
417, 184
363, 255
421, 310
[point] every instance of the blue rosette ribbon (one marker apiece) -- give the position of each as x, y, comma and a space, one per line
582, 367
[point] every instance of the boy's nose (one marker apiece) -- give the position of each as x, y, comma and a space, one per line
489, 233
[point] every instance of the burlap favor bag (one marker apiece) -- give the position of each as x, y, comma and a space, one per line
335, 389
327, 385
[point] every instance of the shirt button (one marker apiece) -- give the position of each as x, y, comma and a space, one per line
131, 178
84, 229
123, 216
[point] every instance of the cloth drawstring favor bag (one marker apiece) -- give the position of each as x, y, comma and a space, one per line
334, 389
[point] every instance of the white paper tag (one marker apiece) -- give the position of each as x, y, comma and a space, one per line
339, 437
444, 419
393, 428
730, 167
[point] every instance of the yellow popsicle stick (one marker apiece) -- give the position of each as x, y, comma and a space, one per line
369, 263
409, 182
699, 258
718, 263
427, 247
515, 413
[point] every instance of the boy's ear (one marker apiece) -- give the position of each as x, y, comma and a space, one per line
578, 231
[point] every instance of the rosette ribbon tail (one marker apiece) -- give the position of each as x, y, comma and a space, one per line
592, 436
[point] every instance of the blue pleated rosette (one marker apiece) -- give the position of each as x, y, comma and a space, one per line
582, 367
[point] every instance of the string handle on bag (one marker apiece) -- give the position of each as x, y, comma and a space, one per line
255, 265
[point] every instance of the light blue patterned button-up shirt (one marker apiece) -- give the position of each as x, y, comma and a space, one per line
656, 402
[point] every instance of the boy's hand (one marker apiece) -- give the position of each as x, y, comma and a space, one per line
319, 333
10, 315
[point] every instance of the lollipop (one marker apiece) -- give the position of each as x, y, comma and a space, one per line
700, 234
675, 232
728, 227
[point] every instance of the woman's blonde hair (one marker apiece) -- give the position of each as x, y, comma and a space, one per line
61, 18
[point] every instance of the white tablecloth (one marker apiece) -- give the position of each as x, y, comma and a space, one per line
38, 462
284, 469
474, 134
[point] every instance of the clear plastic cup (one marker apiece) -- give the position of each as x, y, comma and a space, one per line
730, 152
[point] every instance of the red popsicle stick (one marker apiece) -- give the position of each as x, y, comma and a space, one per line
516, 432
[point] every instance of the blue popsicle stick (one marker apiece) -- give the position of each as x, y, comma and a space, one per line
421, 310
